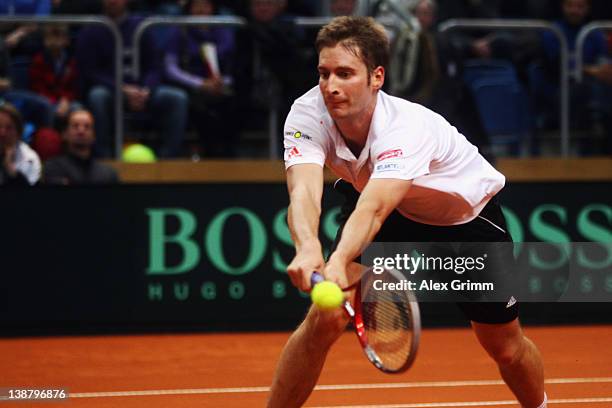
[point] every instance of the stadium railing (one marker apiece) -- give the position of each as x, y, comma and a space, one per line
523, 25
405, 45
208, 21
580, 40
88, 20
231, 21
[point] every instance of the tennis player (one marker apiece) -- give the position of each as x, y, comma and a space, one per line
414, 177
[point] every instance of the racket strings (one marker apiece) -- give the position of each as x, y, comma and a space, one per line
388, 328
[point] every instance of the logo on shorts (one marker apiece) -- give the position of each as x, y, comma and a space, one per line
390, 154
511, 302
294, 152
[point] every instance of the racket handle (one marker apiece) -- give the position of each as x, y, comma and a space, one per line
316, 278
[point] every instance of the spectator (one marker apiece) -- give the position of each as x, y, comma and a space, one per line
591, 99
77, 165
428, 67
35, 109
274, 64
576, 14
22, 39
53, 71
165, 106
476, 44
342, 7
436, 84
19, 164
210, 90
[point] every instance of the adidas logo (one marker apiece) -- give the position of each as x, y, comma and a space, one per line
511, 302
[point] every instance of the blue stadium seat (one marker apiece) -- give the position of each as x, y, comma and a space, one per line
504, 110
502, 102
484, 68
545, 97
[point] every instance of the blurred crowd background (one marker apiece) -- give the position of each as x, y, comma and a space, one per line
501, 88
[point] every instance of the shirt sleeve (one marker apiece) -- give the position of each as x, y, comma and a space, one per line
304, 137
404, 154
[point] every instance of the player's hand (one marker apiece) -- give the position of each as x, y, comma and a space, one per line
307, 259
335, 271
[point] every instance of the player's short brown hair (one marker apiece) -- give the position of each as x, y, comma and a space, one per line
363, 36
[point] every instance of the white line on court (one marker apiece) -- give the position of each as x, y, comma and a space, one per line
474, 403
244, 390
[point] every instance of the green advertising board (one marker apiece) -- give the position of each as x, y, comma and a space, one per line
213, 257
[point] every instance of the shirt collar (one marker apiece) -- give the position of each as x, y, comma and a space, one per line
342, 151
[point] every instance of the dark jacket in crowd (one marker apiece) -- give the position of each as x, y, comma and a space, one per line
70, 170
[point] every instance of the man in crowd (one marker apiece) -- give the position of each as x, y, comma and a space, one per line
77, 165
165, 106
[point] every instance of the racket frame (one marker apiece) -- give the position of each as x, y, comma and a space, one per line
356, 316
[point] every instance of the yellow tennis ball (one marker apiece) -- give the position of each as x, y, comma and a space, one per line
138, 153
327, 295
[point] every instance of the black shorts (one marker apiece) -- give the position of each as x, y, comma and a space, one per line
489, 226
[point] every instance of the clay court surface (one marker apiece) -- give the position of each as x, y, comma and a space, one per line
235, 370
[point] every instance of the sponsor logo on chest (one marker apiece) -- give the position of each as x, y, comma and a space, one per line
390, 154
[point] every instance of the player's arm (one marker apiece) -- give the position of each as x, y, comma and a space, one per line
305, 185
378, 199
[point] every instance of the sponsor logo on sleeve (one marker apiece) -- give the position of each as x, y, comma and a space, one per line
390, 154
293, 153
298, 135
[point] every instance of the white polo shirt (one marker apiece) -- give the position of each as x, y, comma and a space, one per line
451, 181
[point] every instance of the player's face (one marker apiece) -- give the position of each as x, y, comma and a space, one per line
343, 79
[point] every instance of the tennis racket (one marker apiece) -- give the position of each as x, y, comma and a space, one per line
387, 323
